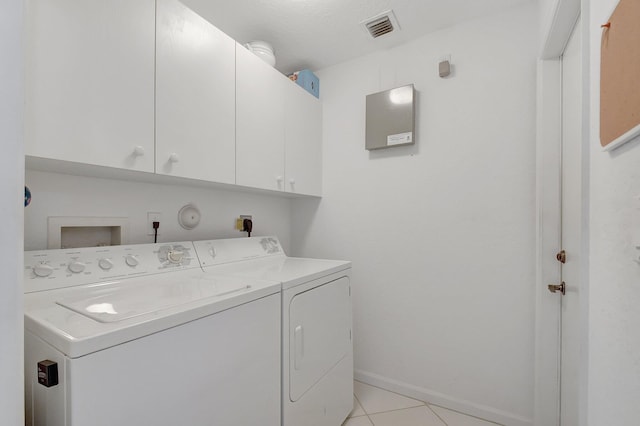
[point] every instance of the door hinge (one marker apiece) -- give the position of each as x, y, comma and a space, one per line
555, 288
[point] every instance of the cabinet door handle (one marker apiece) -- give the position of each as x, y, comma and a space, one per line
174, 158
138, 151
298, 342
292, 182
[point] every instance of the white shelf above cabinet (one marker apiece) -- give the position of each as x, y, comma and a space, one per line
124, 175
89, 82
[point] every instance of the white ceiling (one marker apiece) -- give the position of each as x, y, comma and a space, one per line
315, 34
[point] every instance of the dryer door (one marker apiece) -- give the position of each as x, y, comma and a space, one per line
319, 334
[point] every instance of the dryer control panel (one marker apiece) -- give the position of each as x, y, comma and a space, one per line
51, 269
217, 252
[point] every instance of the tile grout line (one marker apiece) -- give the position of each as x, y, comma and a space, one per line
397, 409
387, 390
363, 410
425, 403
465, 414
436, 414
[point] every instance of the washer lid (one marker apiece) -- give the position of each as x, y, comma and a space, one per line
85, 319
117, 303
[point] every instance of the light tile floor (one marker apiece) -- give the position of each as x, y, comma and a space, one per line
377, 407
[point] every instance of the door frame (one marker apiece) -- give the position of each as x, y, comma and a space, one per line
548, 211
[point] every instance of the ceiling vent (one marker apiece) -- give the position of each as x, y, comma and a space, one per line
381, 24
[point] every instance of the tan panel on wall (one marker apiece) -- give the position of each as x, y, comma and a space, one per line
620, 72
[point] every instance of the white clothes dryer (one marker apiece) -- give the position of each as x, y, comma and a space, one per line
140, 335
317, 348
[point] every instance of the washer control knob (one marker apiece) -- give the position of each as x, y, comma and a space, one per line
105, 263
131, 260
77, 267
212, 251
175, 256
42, 270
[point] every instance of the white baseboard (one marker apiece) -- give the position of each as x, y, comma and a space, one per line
446, 401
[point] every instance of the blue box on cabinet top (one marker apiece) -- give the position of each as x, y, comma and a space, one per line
308, 81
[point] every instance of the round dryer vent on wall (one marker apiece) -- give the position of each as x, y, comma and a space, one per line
189, 216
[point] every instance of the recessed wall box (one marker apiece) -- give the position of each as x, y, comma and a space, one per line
73, 232
390, 118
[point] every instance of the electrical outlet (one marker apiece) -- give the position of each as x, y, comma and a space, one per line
240, 220
153, 217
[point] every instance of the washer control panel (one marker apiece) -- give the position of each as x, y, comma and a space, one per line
51, 269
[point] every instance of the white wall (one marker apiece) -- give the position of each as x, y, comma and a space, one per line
614, 311
65, 195
11, 192
441, 234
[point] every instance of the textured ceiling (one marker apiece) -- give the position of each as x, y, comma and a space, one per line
315, 34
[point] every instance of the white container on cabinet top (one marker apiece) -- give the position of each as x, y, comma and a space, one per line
195, 96
89, 82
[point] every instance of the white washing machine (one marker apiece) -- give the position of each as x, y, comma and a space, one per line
317, 349
140, 335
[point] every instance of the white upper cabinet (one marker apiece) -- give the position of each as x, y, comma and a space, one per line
195, 96
303, 142
153, 87
260, 119
90, 81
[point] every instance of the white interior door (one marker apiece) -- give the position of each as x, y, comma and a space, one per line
572, 195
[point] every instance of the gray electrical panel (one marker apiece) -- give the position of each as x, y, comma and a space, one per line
391, 118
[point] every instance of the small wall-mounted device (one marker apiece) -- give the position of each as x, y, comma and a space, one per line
48, 373
189, 216
390, 118
444, 68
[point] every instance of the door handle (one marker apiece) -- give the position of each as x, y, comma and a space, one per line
298, 342
554, 288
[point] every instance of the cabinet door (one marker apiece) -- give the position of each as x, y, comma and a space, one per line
303, 142
89, 81
195, 96
260, 122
